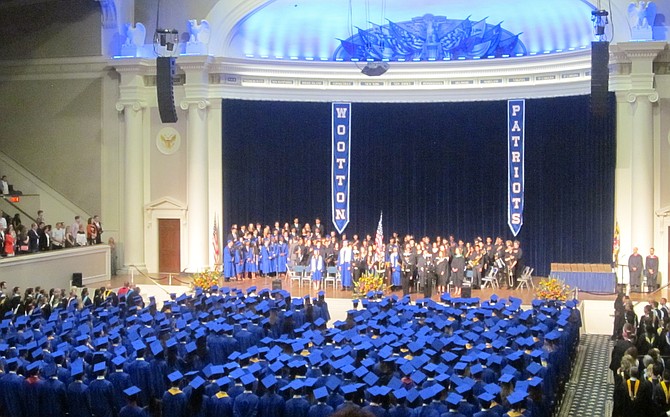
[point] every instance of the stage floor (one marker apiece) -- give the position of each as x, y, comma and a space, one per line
597, 310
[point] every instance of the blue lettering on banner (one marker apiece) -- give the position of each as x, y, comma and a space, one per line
341, 164
515, 149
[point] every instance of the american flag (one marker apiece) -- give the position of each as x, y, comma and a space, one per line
615, 244
215, 245
379, 237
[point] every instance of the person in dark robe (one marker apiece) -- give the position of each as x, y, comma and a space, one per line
621, 346
457, 271
297, 405
619, 310
651, 270
635, 268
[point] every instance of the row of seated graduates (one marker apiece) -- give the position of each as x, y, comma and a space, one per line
452, 354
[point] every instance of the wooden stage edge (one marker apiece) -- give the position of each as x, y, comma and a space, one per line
296, 291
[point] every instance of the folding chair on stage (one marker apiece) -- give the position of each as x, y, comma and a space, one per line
295, 273
306, 277
526, 278
491, 279
331, 276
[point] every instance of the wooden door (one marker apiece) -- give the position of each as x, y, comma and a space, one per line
169, 242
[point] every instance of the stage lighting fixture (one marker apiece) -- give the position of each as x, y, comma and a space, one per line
600, 21
166, 42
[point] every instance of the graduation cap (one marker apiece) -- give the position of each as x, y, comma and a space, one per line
139, 345
320, 393
197, 382
349, 388
453, 399
371, 379
131, 391
76, 368
269, 381
248, 379
516, 398
118, 361
506, 378
175, 376
486, 397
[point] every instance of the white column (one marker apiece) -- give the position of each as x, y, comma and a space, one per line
197, 185
642, 171
133, 194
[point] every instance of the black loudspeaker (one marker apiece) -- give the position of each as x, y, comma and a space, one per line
165, 70
600, 56
276, 284
77, 280
466, 291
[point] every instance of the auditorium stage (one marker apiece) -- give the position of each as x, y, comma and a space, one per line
597, 310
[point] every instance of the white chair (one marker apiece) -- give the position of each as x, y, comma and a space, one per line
526, 279
295, 273
491, 279
331, 276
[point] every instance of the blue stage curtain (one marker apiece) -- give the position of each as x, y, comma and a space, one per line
433, 169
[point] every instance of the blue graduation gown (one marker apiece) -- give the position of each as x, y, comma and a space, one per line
101, 392
174, 403
395, 270
140, 376
246, 405
400, 411
120, 381
296, 407
320, 410
266, 260
53, 398
376, 410
132, 411
11, 394
220, 405
344, 262
159, 370
228, 262
271, 405
282, 257
78, 400
31, 389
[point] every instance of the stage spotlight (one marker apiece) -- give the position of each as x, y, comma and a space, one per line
166, 42
600, 21
375, 69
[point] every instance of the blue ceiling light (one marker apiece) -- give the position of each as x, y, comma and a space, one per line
427, 29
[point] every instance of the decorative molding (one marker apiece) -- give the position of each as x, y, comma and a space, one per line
201, 103
633, 96
109, 13
135, 105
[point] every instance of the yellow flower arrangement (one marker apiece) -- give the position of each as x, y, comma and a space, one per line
206, 279
552, 289
369, 281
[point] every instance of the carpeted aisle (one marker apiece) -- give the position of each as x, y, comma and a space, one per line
589, 390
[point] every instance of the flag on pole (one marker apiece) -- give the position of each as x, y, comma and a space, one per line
379, 238
216, 246
615, 244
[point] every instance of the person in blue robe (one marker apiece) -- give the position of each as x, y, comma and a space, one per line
321, 408
244, 337
297, 406
120, 381
266, 258
344, 264
250, 260
140, 374
11, 390
271, 404
52, 396
220, 404
174, 399
131, 409
229, 261
32, 385
317, 266
101, 391
246, 404
396, 269
78, 398
197, 403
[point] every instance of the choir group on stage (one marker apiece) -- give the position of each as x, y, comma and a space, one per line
407, 263
234, 353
